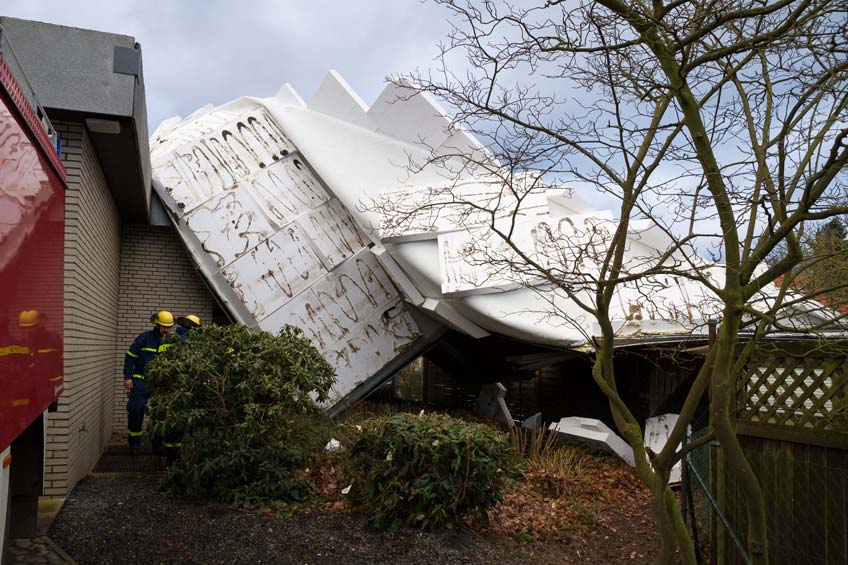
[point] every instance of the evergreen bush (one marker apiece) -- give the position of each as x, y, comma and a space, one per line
241, 402
429, 471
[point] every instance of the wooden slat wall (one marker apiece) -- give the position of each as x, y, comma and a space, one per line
805, 492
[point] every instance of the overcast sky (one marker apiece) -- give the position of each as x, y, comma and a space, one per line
197, 52
212, 51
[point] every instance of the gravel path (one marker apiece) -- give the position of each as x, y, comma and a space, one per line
126, 520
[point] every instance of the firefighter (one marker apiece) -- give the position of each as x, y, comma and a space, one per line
172, 440
187, 323
44, 347
144, 349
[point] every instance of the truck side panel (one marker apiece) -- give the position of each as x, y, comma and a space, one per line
32, 210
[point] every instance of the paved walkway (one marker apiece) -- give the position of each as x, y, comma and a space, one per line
40, 549
37, 550
115, 462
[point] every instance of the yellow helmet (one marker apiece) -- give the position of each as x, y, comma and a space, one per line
163, 318
189, 321
28, 318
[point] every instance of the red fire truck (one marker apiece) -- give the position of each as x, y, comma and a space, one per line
32, 210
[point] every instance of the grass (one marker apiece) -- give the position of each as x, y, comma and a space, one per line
532, 443
552, 467
559, 471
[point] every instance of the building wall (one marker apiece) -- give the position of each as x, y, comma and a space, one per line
78, 432
156, 274
115, 278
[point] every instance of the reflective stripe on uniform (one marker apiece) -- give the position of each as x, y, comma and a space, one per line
131, 354
167, 444
138, 377
150, 349
135, 434
13, 350
47, 350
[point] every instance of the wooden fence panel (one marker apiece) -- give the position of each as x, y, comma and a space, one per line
836, 527
805, 493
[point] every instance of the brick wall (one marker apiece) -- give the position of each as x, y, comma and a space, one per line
77, 433
156, 274
114, 279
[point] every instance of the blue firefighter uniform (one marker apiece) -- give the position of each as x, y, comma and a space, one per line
142, 352
185, 324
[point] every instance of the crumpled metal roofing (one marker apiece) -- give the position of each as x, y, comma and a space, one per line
307, 214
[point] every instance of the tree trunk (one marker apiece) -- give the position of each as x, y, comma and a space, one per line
664, 505
723, 390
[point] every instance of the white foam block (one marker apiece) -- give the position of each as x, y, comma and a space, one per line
336, 98
479, 261
289, 96
354, 316
404, 113
657, 430
595, 433
201, 168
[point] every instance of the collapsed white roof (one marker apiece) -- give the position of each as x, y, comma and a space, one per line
309, 214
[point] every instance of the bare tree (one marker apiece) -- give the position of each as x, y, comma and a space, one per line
824, 270
719, 125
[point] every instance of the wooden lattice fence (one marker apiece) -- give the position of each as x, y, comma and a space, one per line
796, 392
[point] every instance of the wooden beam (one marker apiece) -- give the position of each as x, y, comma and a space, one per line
811, 436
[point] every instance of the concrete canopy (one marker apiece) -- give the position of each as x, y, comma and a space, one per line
96, 78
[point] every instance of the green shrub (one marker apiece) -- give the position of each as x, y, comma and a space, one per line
429, 471
242, 403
